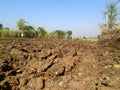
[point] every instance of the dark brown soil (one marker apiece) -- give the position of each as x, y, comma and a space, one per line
60, 64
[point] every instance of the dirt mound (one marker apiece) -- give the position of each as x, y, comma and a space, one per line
110, 39
108, 56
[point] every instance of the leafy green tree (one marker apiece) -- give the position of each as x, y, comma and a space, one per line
29, 31
28, 28
69, 33
29, 34
41, 32
21, 23
110, 15
50, 35
60, 34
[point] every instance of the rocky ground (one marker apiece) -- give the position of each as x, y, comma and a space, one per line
27, 64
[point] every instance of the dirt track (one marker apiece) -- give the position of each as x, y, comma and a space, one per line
58, 65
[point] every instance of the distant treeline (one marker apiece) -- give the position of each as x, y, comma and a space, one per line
28, 31
31, 33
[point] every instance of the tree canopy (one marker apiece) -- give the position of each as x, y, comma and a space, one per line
60, 34
21, 23
28, 27
41, 32
69, 33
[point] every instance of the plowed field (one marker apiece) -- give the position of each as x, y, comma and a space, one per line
27, 64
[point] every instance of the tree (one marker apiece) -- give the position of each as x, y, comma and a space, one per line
110, 15
21, 23
29, 31
28, 28
1, 26
60, 34
50, 35
69, 33
41, 32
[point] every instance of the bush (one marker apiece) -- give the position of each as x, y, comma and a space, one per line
29, 34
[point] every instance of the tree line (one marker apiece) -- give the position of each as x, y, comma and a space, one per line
28, 31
